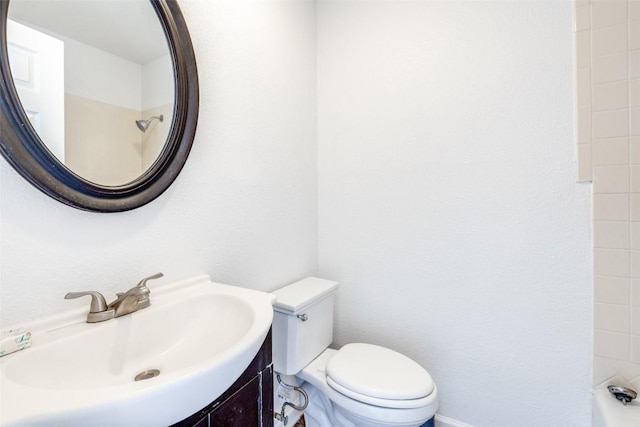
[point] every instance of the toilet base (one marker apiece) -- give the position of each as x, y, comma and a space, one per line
321, 412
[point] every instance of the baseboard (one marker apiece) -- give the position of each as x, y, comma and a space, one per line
448, 422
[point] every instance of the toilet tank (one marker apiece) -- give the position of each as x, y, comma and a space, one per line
302, 323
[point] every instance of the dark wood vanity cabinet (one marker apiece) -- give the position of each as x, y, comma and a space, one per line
247, 403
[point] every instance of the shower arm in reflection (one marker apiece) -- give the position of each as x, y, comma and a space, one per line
143, 125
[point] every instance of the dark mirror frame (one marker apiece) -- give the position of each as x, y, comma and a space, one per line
22, 148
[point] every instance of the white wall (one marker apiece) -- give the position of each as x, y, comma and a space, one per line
157, 83
244, 207
447, 204
120, 79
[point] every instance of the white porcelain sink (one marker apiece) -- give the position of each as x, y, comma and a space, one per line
198, 334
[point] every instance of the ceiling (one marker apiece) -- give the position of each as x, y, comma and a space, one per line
126, 28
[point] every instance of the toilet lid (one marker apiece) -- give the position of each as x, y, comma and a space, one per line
377, 372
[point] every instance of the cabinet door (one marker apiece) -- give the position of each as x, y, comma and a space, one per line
241, 409
266, 396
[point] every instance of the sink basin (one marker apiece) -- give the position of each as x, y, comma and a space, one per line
188, 347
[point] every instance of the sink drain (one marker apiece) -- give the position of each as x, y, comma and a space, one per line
145, 375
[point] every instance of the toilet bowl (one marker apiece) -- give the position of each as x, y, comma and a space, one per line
359, 385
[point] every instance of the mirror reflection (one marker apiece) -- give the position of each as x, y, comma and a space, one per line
95, 78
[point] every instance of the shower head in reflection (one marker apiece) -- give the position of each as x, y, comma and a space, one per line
143, 125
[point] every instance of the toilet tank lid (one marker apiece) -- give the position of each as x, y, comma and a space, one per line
299, 295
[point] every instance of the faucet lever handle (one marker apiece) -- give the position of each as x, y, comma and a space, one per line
143, 282
98, 303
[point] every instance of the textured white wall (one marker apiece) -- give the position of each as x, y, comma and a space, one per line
447, 204
244, 207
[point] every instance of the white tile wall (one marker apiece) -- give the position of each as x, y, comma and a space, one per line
611, 234
583, 18
635, 207
635, 293
635, 321
609, 40
584, 125
635, 235
613, 345
607, 370
634, 93
611, 207
611, 290
610, 123
635, 264
635, 178
611, 179
611, 262
610, 96
584, 86
634, 121
634, 35
609, 152
611, 317
608, 137
634, 149
605, 14
634, 10
610, 68
634, 64
635, 349
583, 48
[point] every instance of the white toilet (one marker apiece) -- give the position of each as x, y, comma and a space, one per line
361, 385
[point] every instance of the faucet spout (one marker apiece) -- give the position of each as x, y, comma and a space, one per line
125, 305
134, 299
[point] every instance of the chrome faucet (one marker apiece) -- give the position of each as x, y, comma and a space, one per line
127, 302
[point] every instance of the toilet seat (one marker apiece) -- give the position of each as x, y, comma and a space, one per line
379, 376
415, 412
383, 403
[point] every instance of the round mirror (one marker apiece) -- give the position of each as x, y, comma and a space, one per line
99, 98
